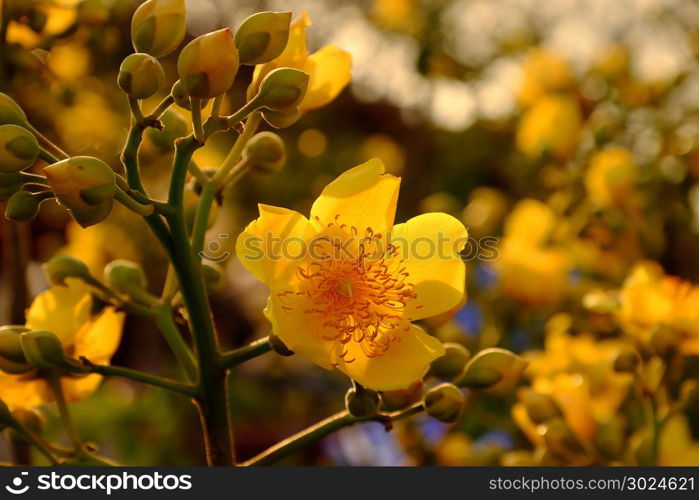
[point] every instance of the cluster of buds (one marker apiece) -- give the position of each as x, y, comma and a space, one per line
29, 352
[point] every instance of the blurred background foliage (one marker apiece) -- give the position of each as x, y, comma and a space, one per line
569, 130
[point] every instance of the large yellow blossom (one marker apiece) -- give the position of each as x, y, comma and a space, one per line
329, 68
67, 312
348, 300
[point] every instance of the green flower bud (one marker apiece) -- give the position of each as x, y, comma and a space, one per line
445, 403
30, 419
22, 207
42, 349
60, 267
19, 149
626, 361
158, 26
10, 184
449, 366
91, 216
12, 358
689, 394
279, 346
494, 371
540, 407
174, 127
560, 439
361, 402
262, 37
10, 112
208, 64
213, 276
140, 75
266, 153
402, 398
179, 93
124, 276
283, 118
282, 88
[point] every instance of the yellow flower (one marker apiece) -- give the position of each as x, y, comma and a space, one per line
550, 127
329, 68
543, 72
676, 446
611, 176
66, 311
346, 284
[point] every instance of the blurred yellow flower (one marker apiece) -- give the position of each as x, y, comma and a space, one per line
550, 127
611, 176
676, 447
329, 68
69, 61
346, 284
67, 312
59, 18
400, 15
543, 72
386, 149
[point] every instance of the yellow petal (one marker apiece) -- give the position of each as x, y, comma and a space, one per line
62, 310
405, 361
18, 393
76, 389
330, 72
296, 51
430, 246
270, 245
299, 332
99, 339
363, 197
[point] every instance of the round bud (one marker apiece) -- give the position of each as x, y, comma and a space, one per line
10, 112
22, 207
10, 184
445, 403
140, 75
174, 127
262, 37
559, 438
402, 398
279, 346
19, 149
626, 361
208, 64
540, 407
60, 267
283, 118
282, 88
12, 358
361, 402
449, 366
179, 93
42, 349
494, 371
266, 153
158, 26
122, 276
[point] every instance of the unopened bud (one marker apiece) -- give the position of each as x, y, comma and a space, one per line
10, 112
174, 127
402, 398
208, 64
262, 37
42, 349
279, 346
22, 207
179, 93
19, 148
140, 75
361, 402
283, 118
12, 358
540, 407
450, 366
282, 88
626, 361
266, 153
494, 371
158, 26
60, 267
689, 394
445, 403
10, 184
559, 438
124, 276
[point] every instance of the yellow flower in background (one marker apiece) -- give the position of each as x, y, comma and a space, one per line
550, 127
676, 447
543, 72
67, 312
60, 16
70, 61
329, 68
346, 284
611, 177
400, 15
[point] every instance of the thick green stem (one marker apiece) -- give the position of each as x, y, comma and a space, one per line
323, 429
33, 441
56, 386
174, 339
201, 220
47, 142
133, 205
197, 123
237, 356
236, 151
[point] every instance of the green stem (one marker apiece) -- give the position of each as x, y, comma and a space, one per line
251, 125
201, 219
174, 339
197, 123
47, 156
54, 382
323, 429
135, 108
240, 115
133, 205
33, 441
216, 107
162, 107
237, 356
47, 142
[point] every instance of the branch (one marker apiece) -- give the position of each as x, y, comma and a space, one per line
237, 356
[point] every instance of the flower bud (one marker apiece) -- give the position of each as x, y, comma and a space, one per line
266, 153
174, 127
689, 394
12, 358
282, 88
92, 216
10, 112
279, 346
42, 349
262, 37
626, 361
181, 96
494, 371
449, 366
19, 148
361, 402
123, 276
213, 277
208, 64
10, 184
445, 403
140, 75
402, 398
283, 118
60, 267
540, 407
158, 26
22, 207
559, 438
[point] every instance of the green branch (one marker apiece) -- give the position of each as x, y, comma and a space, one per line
237, 356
